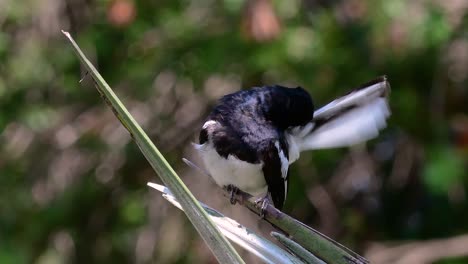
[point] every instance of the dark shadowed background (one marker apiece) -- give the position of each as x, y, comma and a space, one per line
73, 184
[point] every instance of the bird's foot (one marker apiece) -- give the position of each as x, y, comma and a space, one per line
262, 203
232, 191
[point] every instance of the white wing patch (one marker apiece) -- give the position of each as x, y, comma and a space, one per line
284, 167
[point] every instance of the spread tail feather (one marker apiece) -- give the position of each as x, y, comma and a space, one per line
349, 120
355, 126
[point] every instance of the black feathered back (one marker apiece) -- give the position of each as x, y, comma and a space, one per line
251, 119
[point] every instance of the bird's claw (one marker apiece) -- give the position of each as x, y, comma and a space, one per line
262, 203
232, 192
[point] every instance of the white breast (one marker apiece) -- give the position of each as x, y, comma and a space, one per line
246, 176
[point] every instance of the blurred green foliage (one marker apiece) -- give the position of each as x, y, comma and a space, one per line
73, 185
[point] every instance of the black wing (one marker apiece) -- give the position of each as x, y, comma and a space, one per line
274, 175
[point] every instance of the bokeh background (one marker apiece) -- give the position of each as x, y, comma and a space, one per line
73, 184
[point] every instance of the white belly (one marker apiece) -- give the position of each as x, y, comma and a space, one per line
245, 176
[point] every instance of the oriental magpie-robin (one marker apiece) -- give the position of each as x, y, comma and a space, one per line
251, 137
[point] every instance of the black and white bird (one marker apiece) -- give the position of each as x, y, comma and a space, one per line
252, 136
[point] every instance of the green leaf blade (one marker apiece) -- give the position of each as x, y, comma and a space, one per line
218, 244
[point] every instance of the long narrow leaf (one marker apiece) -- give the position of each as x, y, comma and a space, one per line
308, 238
221, 248
315, 242
237, 233
297, 249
